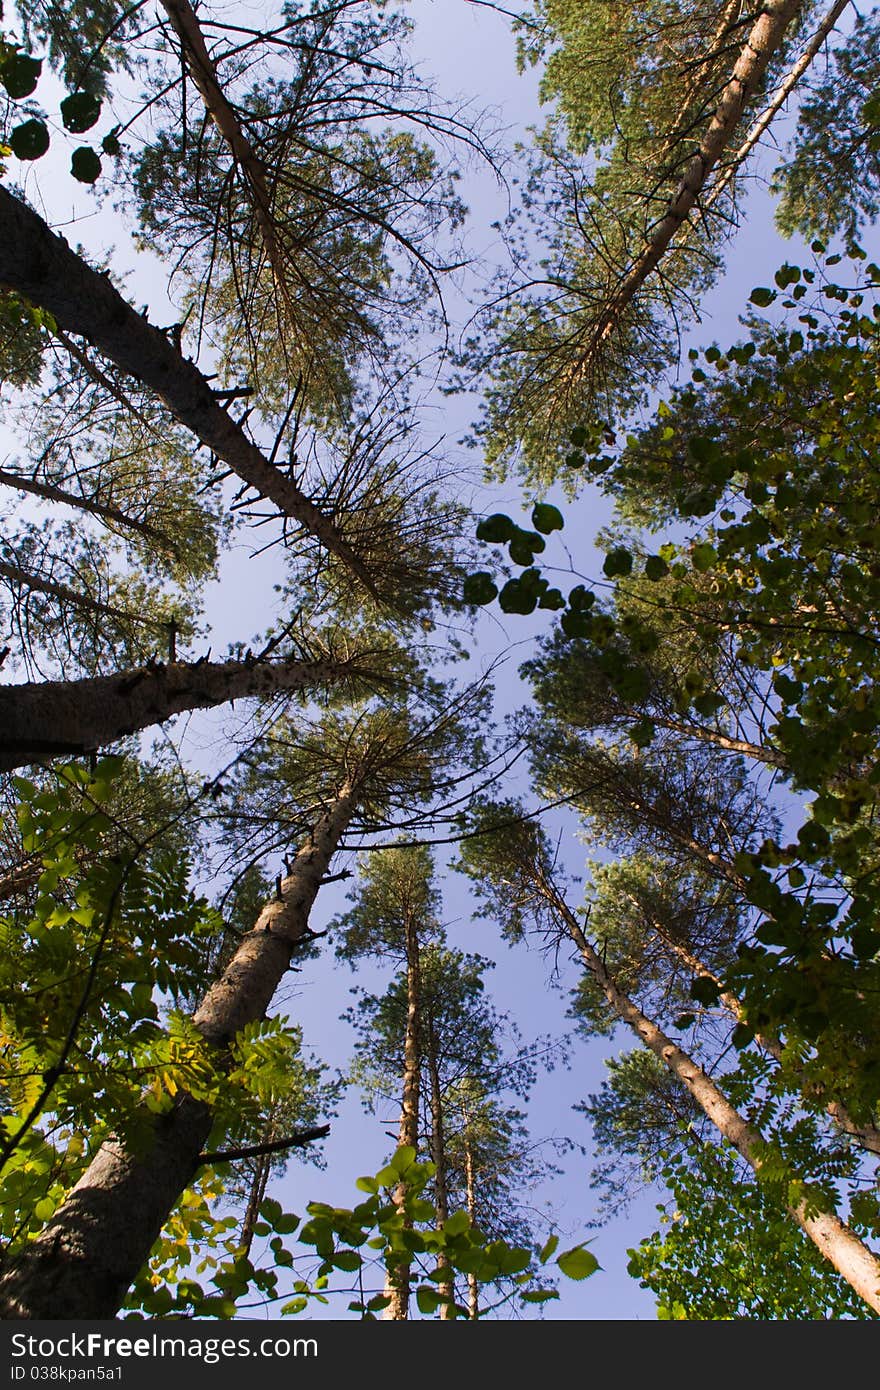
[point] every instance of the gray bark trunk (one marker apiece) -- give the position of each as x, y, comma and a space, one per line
83, 1262
397, 1280
470, 1180
438, 1158
858, 1265
765, 38
40, 265
67, 718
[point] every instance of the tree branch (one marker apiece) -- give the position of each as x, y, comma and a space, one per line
293, 1141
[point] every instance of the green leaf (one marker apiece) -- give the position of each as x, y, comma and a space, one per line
581, 599
762, 296
578, 1263
403, 1159
704, 556
548, 1249
576, 624
655, 568
110, 144
428, 1299
479, 588
79, 112
457, 1223
618, 561
85, 164
871, 110
546, 518
497, 528
517, 597
708, 703
741, 1036
30, 140
705, 990
347, 1260
271, 1211
642, 733
19, 74
524, 546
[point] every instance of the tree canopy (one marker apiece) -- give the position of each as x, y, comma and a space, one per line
260, 629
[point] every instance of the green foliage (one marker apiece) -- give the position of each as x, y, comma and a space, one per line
829, 178
381, 1231
114, 929
80, 111
29, 140
85, 165
633, 89
726, 1252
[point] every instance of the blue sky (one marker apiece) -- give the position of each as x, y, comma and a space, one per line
470, 50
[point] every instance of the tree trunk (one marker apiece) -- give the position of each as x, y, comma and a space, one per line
40, 265
40, 584
256, 1195
471, 1190
765, 38
866, 1136
114, 515
204, 75
397, 1280
778, 100
83, 1262
67, 718
831, 1236
438, 1158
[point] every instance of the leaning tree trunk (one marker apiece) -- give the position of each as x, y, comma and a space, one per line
438, 1158
83, 1262
40, 265
858, 1265
47, 719
766, 36
397, 1279
867, 1136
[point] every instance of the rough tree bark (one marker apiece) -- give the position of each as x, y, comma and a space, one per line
764, 39
41, 266
83, 1262
397, 1280
858, 1265
438, 1158
67, 718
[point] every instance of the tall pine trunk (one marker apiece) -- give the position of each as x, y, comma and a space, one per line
68, 718
84, 1261
397, 1280
774, 20
858, 1265
471, 1195
38, 264
438, 1158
